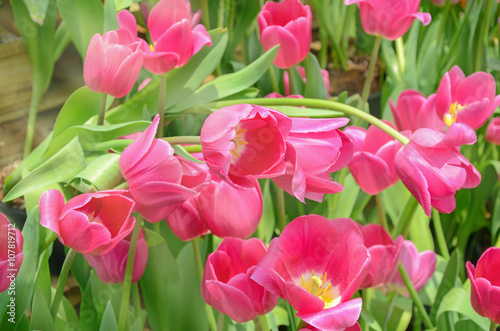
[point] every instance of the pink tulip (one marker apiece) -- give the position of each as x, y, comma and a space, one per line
407, 112
419, 266
355, 327
315, 148
384, 253
91, 223
485, 284
389, 18
470, 100
174, 38
186, 221
288, 24
242, 142
227, 285
11, 253
372, 165
154, 175
228, 211
493, 131
302, 73
317, 265
110, 267
433, 169
112, 64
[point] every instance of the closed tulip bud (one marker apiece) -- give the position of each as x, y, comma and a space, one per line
493, 131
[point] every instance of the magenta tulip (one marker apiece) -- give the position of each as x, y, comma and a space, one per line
419, 266
485, 284
433, 169
11, 253
355, 327
227, 285
186, 221
243, 142
315, 148
372, 165
91, 223
228, 211
112, 65
384, 253
174, 38
389, 18
288, 24
470, 100
316, 265
110, 267
493, 131
154, 175
407, 112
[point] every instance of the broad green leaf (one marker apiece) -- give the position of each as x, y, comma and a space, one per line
37, 9
227, 85
25, 280
447, 283
315, 86
395, 199
64, 165
80, 269
89, 318
110, 19
458, 300
42, 282
66, 319
102, 294
108, 322
420, 232
62, 38
400, 317
121, 4
103, 173
83, 19
267, 222
346, 199
40, 314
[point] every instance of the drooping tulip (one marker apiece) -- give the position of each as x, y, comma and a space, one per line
389, 18
243, 142
110, 267
11, 253
493, 131
316, 265
485, 284
288, 24
419, 266
227, 285
174, 38
91, 223
372, 164
314, 149
407, 112
433, 169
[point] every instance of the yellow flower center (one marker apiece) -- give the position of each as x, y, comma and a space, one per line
239, 143
320, 287
451, 116
152, 46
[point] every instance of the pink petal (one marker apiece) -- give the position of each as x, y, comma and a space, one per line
336, 318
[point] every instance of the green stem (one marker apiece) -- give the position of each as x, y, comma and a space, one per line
199, 269
127, 279
136, 298
369, 75
316, 103
220, 322
193, 148
205, 14
180, 140
61, 283
274, 80
30, 128
280, 205
438, 228
220, 18
102, 109
381, 211
483, 34
161, 105
323, 52
493, 326
291, 317
400, 51
494, 152
415, 297
291, 81
405, 218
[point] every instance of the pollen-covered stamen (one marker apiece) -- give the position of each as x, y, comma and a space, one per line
239, 143
450, 117
152, 46
320, 287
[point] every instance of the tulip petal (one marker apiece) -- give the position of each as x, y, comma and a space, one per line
336, 318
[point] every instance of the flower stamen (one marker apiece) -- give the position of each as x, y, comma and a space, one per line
451, 116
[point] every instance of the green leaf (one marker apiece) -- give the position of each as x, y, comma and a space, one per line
83, 19
179, 150
103, 173
102, 294
267, 222
25, 280
63, 166
346, 200
420, 232
89, 318
40, 314
110, 19
42, 282
400, 317
80, 269
447, 283
108, 322
37, 9
66, 319
315, 85
227, 85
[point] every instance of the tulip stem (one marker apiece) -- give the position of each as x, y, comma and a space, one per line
30, 127
136, 298
400, 50
493, 326
205, 13
183, 140
438, 228
414, 295
274, 80
405, 218
280, 205
102, 109
381, 211
316, 103
161, 105
127, 279
61, 283
199, 269
220, 322
291, 81
369, 75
